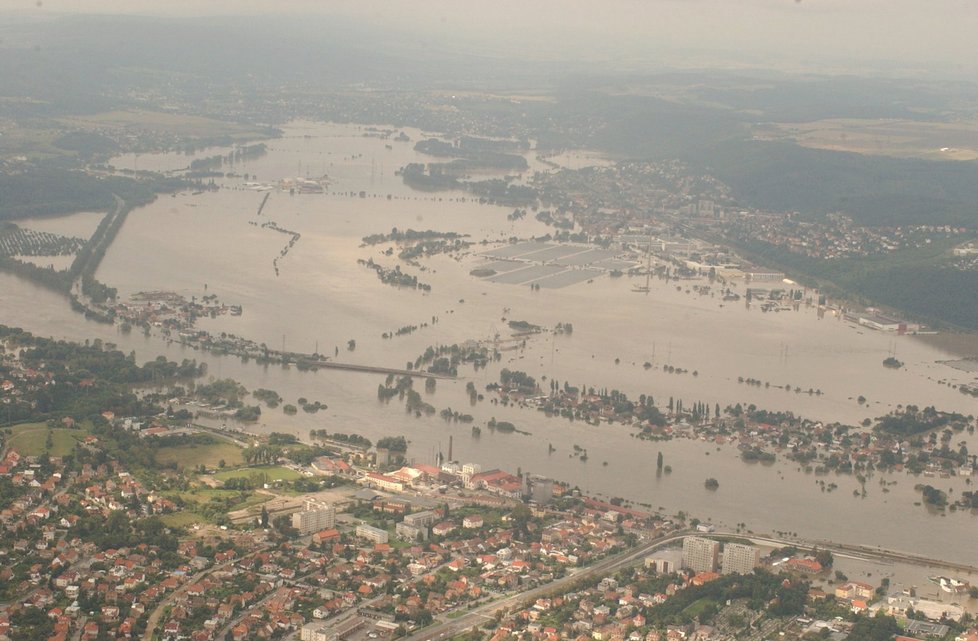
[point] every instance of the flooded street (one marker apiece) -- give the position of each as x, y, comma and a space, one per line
321, 298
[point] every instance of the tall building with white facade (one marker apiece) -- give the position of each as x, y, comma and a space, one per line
315, 516
538, 489
468, 471
699, 554
739, 558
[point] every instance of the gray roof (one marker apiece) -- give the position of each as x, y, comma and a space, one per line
366, 494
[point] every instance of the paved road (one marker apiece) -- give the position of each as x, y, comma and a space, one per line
485, 612
154, 617
117, 212
864, 552
449, 628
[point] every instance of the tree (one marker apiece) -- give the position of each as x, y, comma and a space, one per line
878, 628
824, 557
658, 461
263, 520
521, 516
283, 525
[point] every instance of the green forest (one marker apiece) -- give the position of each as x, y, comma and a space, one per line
873, 190
917, 281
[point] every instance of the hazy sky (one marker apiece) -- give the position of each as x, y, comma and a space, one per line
846, 32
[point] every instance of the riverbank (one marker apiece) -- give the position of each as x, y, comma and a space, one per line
323, 299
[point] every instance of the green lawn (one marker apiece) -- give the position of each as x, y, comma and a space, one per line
180, 125
30, 439
272, 472
181, 519
204, 494
201, 501
190, 456
696, 608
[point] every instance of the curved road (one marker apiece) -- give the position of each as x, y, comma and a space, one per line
607, 566
450, 628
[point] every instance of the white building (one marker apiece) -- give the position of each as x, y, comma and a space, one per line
661, 566
372, 533
699, 554
898, 604
421, 519
408, 532
320, 632
538, 489
739, 558
315, 516
452, 468
880, 323
468, 471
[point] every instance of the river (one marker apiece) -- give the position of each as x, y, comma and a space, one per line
323, 298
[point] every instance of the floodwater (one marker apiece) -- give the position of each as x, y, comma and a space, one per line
321, 298
59, 263
77, 225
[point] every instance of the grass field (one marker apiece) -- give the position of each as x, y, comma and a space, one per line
882, 137
182, 519
182, 125
29, 439
698, 607
203, 501
35, 144
273, 472
190, 456
38, 142
203, 496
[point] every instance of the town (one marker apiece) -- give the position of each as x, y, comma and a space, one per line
488, 321
142, 525
96, 549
